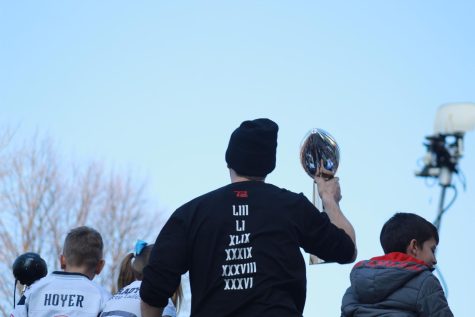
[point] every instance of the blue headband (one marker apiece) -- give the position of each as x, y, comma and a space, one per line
139, 246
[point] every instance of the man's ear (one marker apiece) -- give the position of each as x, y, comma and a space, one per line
413, 248
99, 266
62, 262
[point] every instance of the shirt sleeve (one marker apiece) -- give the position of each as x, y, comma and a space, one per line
105, 296
320, 237
168, 261
20, 308
431, 300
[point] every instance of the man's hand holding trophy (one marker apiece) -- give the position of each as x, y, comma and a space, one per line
320, 157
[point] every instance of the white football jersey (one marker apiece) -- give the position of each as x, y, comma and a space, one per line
127, 303
62, 294
185, 307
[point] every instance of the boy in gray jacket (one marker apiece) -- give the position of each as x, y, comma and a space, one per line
399, 283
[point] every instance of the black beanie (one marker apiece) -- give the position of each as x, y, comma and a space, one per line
252, 148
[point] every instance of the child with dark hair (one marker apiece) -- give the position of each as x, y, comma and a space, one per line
127, 300
70, 292
399, 283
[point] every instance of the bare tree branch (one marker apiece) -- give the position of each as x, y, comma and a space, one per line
41, 201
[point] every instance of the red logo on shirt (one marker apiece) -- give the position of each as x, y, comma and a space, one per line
241, 193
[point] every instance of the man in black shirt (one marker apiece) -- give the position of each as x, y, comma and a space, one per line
241, 242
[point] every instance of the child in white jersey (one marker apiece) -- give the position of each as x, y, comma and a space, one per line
127, 300
70, 292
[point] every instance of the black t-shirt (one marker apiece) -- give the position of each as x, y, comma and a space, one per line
241, 244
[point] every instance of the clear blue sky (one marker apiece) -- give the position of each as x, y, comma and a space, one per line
159, 85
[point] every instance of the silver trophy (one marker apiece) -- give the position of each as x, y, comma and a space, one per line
319, 155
